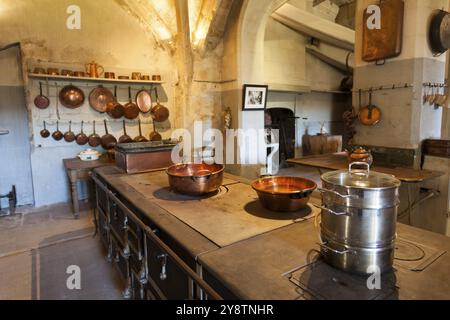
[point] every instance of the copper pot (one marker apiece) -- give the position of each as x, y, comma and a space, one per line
110, 75
71, 97
114, 108
284, 194
159, 112
195, 179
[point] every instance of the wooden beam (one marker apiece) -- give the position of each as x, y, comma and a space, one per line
184, 58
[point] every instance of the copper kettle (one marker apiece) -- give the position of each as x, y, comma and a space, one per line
94, 70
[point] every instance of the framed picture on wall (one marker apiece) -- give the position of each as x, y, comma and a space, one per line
255, 97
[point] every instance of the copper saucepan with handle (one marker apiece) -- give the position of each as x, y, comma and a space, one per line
82, 138
94, 138
69, 136
159, 112
108, 140
131, 110
41, 101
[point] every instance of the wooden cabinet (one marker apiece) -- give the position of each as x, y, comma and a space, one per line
149, 267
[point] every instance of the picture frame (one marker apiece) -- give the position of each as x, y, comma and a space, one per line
254, 97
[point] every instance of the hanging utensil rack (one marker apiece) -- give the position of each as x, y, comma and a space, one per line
384, 87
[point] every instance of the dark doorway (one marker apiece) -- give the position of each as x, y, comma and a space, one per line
15, 162
283, 119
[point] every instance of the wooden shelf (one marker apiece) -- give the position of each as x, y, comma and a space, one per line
88, 79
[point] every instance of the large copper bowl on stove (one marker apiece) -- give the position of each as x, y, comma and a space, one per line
195, 179
284, 194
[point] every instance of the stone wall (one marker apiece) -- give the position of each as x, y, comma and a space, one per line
119, 41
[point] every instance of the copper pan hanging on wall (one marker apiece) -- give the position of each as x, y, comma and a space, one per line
439, 32
99, 99
71, 97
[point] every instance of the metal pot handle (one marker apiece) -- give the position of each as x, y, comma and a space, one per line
206, 176
350, 166
322, 190
325, 246
331, 211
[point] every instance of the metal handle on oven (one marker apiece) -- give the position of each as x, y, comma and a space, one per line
4, 132
163, 258
331, 211
348, 196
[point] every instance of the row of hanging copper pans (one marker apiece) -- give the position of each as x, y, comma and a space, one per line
103, 100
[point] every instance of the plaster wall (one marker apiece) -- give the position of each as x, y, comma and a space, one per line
406, 120
115, 38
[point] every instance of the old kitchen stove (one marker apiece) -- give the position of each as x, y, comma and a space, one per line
229, 241
189, 225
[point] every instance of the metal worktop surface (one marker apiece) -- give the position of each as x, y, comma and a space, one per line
254, 268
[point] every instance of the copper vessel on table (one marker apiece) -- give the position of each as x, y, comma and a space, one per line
284, 194
195, 179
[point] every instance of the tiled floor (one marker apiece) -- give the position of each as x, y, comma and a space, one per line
36, 248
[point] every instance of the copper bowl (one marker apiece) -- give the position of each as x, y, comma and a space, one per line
196, 179
145, 77
284, 194
156, 77
71, 97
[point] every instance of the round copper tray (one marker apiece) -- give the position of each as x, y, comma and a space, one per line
99, 99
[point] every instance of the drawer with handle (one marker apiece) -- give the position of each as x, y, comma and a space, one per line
168, 276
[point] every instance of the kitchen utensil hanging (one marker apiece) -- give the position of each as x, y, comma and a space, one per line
71, 97
57, 135
125, 138
99, 98
370, 115
140, 137
108, 141
131, 109
159, 112
69, 136
82, 138
44, 132
114, 109
144, 100
41, 101
385, 42
154, 135
439, 32
94, 138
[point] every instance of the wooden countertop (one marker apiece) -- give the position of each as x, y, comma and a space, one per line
339, 161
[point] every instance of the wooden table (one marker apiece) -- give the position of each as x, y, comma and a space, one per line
78, 170
339, 161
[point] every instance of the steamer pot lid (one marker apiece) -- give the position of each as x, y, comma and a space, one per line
361, 179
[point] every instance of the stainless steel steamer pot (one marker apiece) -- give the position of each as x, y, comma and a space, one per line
358, 219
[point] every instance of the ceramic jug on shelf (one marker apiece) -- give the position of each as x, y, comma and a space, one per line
94, 70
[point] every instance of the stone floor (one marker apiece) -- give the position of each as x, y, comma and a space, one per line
36, 248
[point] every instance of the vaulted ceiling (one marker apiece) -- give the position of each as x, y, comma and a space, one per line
207, 20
